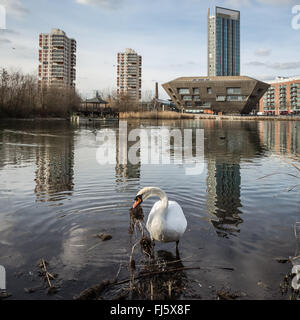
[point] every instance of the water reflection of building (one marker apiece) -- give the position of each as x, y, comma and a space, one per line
225, 145
126, 170
280, 137
54, 174
223, 196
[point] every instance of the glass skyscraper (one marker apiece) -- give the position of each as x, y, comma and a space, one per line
223, 44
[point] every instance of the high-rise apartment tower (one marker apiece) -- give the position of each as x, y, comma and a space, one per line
57, 57
129, 74
223, 42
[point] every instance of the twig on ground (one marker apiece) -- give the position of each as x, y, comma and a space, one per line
47, 273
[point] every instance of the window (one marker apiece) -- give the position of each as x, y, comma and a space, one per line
207, 104
183, 90
221, 98
187, 98
196, 91
209, 90
236, 98
196, 98
233, 90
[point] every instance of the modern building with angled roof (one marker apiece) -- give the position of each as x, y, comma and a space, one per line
228, 95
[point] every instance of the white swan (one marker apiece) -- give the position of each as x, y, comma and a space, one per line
166, 221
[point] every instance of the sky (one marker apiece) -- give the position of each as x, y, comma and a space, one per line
169, 34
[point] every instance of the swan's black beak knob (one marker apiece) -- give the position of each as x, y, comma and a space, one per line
138, 200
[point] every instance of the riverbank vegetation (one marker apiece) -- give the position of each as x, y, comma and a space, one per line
20, 97
156, 115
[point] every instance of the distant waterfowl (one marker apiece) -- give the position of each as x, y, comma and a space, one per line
166, 221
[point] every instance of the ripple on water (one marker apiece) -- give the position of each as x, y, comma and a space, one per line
55, 198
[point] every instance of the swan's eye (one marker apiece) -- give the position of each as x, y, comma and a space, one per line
138, 198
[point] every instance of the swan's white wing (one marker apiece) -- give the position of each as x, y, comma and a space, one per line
175, 219
169, 226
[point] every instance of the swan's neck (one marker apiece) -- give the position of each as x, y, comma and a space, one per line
154, 191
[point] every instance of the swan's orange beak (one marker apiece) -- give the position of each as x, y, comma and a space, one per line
136, 203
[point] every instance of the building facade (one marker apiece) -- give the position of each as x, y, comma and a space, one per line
57, 57
129, 74
227, 95
282, 97
223, 42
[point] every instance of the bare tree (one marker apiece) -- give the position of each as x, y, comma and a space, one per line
20, 96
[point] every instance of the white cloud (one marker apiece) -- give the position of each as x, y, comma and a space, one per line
276, 65
277, 2
4, 41
101, 3
14, 7
237, 3
8, 31
262, 52
256, 63
284, 65
246, 3
266, 77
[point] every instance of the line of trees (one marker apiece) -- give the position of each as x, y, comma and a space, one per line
123, 102
20, 97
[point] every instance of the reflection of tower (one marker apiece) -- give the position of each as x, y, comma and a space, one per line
54, 174
223, 195
211, 186
125, 172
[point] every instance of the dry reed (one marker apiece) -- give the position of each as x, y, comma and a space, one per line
155, 115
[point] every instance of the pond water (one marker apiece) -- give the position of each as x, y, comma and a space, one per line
56, 197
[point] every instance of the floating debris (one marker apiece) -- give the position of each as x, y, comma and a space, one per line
31, 290
147, 246
52, 290
282, 260
136, 219
137, 213
262, 284
226, 295
132, 264
104, 236
47, 276
93, 293
4, 295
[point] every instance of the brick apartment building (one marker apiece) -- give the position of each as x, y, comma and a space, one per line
282, 97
